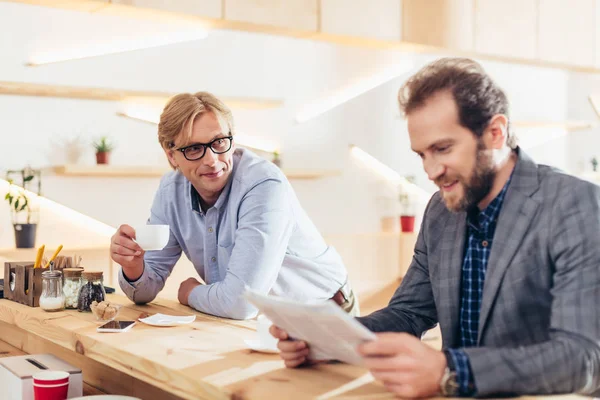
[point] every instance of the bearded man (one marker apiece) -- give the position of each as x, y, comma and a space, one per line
507, 260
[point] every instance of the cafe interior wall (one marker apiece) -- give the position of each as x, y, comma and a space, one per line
235, 64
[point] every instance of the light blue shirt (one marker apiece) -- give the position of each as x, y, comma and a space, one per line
256, 234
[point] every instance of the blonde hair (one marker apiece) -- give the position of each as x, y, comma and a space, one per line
181, 111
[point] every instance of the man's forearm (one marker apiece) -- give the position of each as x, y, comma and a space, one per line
396, 319
145, 288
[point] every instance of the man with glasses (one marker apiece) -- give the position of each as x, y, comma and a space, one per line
236, 218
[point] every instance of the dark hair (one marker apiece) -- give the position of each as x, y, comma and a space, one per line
477, 96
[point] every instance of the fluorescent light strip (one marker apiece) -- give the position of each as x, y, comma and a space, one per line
240, 137
342, 95
595, 102
114, 47
386, 172
539, 137
75, 217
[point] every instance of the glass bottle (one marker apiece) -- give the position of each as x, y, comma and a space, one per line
71, 286
92, 289
52, 297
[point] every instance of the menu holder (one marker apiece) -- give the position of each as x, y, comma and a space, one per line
23, 283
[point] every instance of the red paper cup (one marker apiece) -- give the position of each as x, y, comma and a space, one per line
51, 385
51, 392
51, 377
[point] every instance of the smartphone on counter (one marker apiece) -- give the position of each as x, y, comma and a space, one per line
116, 326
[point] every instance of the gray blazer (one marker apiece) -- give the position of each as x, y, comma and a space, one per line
539, 327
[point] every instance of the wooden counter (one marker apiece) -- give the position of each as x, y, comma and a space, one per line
206, 359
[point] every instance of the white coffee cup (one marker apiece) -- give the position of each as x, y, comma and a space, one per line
265, 338
152, 237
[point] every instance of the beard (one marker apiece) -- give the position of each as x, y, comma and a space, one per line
477, 186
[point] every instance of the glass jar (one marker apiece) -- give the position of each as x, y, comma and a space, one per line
71, 286
92, 289
52, 297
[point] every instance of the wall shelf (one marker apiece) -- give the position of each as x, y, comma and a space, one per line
310, 173
13, 251
566, 125
592, 176
107, 94
109, 171
116, 171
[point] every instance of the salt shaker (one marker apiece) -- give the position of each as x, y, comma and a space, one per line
52, 297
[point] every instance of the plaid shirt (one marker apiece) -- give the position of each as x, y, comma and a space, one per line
480, 234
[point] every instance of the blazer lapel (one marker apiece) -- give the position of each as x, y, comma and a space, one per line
518, 210
451, 251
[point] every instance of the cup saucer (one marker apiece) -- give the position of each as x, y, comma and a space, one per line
255, 345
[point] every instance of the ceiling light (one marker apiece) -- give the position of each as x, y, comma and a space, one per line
115, 46
352, 90
252, 142
75, 217
386, 172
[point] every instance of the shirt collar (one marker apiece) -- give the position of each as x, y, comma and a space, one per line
222, 200
482, 219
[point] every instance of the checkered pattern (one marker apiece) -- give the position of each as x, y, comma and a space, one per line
480, 234
539, 326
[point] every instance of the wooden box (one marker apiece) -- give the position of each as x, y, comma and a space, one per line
27, 283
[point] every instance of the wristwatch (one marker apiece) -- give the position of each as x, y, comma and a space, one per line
449, 386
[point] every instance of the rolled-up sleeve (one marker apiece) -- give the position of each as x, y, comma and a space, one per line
265, 225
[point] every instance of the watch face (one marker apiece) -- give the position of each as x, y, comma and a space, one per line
450, 386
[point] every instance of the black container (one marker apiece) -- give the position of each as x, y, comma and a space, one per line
25, 235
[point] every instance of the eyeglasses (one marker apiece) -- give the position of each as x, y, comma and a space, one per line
196, 151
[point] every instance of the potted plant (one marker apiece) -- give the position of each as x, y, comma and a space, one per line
103, 148
407, 209
23, 212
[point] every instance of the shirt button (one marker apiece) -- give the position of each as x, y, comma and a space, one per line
213, 259
210, 230
484, 243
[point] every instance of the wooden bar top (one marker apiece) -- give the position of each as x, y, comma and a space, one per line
207, 359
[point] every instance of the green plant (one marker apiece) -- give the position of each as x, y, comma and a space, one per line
18, 199
406, 197
104, 145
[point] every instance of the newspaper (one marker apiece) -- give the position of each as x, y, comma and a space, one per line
331, 333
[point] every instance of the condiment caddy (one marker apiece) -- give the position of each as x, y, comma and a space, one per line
23, 283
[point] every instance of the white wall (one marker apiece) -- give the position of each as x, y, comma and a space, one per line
239, 65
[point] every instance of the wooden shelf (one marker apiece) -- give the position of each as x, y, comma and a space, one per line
107, 94
115, 171
568, 125
112, 171
310, 173
591, 176
15, 254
